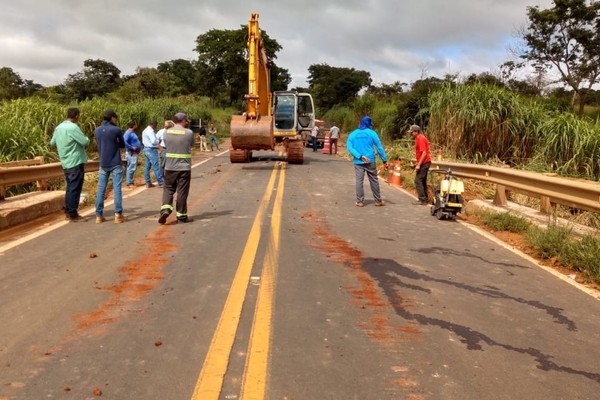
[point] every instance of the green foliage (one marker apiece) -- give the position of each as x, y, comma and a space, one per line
148, 83
550, 242
583, 256
26, 125
97, 78
184, 73
333, 85
223, 65
570, 145
11, 84
505, 222
485, 121
554, 242
565, 37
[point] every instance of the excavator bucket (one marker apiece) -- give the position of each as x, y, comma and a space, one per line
252, 134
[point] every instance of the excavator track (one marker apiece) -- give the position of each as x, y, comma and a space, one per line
295, 152
239, 156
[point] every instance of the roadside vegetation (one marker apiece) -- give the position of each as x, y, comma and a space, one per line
554, 243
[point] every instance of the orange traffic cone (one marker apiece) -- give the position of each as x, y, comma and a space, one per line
395, 180
327, 146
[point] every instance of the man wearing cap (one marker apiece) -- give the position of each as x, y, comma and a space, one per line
360, 144
150, 143
179, 142
70, 143
423, 158
110, 142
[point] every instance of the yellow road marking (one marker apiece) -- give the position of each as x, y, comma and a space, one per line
255, 372
210, 381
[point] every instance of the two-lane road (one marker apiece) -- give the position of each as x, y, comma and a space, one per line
282, 289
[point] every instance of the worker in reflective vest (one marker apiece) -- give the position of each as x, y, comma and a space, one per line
178, 169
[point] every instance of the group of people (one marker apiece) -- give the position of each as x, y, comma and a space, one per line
334, 134
172, 172
362, 143
214, 141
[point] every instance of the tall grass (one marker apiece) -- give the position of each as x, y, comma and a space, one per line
478, 122
26, 125
570, 145
481, 121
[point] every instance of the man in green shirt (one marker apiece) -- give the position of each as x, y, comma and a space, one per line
71, 142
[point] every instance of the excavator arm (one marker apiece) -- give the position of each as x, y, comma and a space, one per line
254, 129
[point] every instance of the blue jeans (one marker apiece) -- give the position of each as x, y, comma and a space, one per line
314, 143
132, 161
371, 171
215, 141
117, 178
74, 178
152, 161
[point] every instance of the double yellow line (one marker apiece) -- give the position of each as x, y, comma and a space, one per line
210, 381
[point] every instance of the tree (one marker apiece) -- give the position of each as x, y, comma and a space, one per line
485, 78
334, 85
149, 83
385, 90
223, 64
566, 37
97, 78
12, 86
184, 71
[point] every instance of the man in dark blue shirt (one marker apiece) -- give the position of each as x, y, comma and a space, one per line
110, 142
132, 152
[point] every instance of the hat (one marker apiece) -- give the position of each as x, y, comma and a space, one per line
365, 122
108, 114
180, 117
415, 128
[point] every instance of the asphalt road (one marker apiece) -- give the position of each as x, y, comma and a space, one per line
282, 289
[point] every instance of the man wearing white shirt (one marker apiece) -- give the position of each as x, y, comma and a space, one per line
150, 142
335, 134
160, 135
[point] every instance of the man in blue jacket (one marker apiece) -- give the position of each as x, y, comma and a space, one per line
110, 142
360, 144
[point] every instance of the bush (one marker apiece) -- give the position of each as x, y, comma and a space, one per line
505, 222
583, 256
550, 242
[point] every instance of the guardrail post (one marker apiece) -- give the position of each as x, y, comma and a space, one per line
41, 184
546, 206
500, 196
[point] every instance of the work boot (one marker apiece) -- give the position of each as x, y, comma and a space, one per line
76, 218
100, 219
163, 217
120, 218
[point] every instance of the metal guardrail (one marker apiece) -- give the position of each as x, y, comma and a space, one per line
549, 189
25, 172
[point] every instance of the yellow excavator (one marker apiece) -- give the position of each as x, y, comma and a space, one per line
270, 117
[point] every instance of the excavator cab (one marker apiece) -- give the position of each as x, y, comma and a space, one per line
293, 112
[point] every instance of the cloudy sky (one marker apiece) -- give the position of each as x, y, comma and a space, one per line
394, 40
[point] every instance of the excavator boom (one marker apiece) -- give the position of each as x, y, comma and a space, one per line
254, 129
